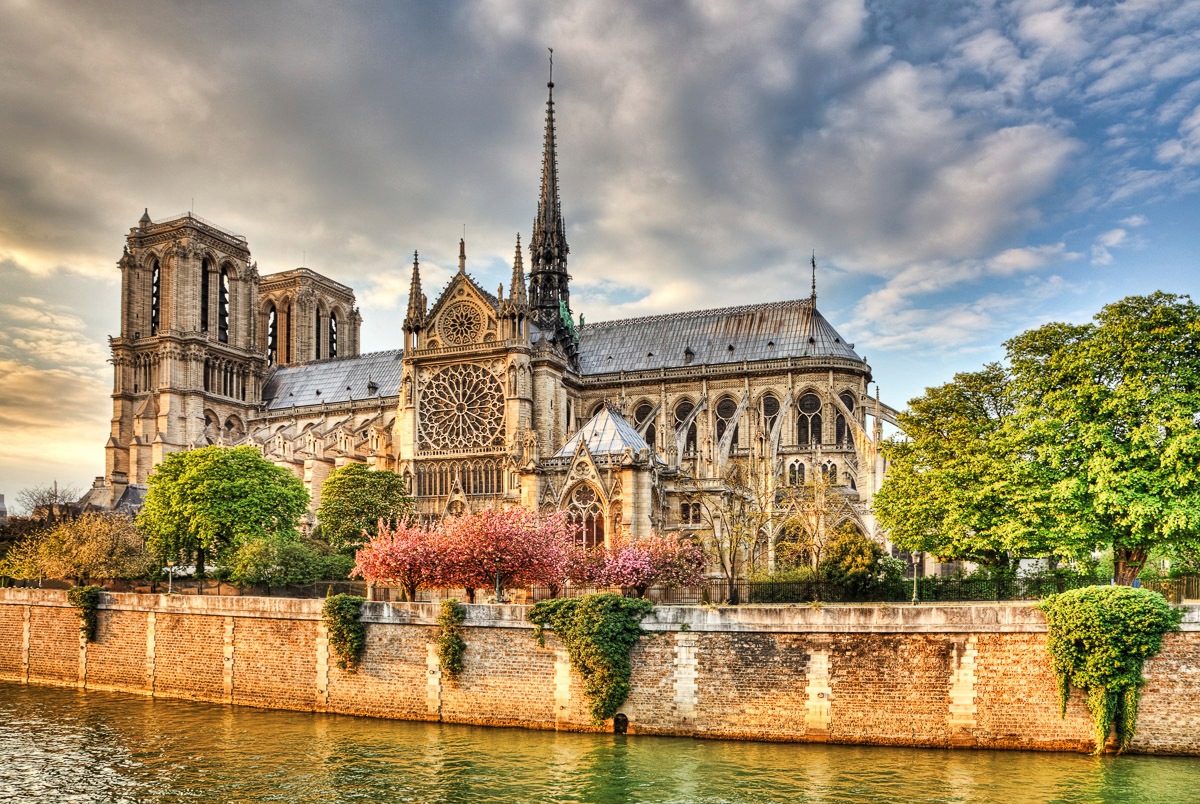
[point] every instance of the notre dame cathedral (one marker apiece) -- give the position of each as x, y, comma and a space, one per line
491, 400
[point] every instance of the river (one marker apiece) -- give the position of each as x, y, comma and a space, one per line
66, 745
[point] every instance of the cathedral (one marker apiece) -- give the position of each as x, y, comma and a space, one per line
492, 399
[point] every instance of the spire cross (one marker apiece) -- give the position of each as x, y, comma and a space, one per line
551, 65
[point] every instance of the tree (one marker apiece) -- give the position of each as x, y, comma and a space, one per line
210, 500
813, 513
954, 480
1108, 416
509, 547
356, 499
48, 502
654, 560
1090, 439
273, 561
741, 519
403, 554
92, 546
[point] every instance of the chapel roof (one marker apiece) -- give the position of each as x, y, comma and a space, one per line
769, 331
338, 380
607, 433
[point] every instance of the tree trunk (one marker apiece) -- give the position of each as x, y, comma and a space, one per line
200, 563
470, 594
1128, 563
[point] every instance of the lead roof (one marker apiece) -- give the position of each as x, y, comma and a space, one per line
342, 379
725, 335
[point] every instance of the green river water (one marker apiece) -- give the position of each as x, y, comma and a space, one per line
66, 745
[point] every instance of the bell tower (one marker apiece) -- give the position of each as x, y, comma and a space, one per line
186, 368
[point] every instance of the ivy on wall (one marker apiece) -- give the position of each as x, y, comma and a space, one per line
598, 632
86, 600
1098, 639
451, 645
347, 633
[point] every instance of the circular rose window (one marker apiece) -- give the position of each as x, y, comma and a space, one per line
461, 324
462, 407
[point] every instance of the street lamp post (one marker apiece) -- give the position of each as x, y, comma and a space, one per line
170, 576
916, 559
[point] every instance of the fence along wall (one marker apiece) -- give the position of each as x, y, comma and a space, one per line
956, 676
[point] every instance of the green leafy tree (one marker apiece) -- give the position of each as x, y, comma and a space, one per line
1110, 420
92, 546
273, 561
954, 486
853, 560
208, 501
355, 498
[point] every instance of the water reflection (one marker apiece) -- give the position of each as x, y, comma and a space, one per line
62, 745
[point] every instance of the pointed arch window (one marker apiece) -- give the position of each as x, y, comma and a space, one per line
641, 415
317, 340
155, 296
223, 306
796, 474
333, 334
583, 509
726, 411
770, 412
272, 335
844, 435
205, 270
682, 411
808, 420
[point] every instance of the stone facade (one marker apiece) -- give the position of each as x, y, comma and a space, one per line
484, 402
954, 676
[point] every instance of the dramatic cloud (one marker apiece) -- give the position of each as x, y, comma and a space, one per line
961, 170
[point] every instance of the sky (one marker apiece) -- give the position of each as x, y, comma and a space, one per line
963, 171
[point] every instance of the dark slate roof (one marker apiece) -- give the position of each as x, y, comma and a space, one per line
343, 379
606, 434
727, 335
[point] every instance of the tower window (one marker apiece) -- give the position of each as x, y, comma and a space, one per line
205, 268
223, 307
272, 335
640, 416
808, 420
155, 296
317, 342
333, 344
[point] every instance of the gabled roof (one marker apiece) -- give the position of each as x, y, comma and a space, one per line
342, 379
606, 434
726, 335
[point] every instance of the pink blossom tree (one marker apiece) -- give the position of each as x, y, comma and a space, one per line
508, 547
654, 560
406, 555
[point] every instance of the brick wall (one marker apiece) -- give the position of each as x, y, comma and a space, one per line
971, 676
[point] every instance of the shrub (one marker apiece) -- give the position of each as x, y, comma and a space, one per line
347, 633
451, 645
1098, 639
598, 632
86, 600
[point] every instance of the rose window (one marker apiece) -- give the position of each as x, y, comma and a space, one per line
461, 408
461, 324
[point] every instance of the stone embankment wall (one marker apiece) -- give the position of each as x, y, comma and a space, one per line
956, 676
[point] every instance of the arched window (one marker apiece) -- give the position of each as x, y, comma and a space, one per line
641, 414
845, 436
155, 296
205, 270
272, 335
770, 412
682, 411
333, 344
808, 420
317, 341
829, 470
223, 306
796, 474
726, 410
583, 509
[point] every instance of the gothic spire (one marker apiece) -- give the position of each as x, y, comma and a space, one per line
516, 291
548, 246
462, 255
416, 299
814, 278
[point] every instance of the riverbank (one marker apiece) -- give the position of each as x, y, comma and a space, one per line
929, 676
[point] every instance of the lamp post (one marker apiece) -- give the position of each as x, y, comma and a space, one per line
170, 576
916, 561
